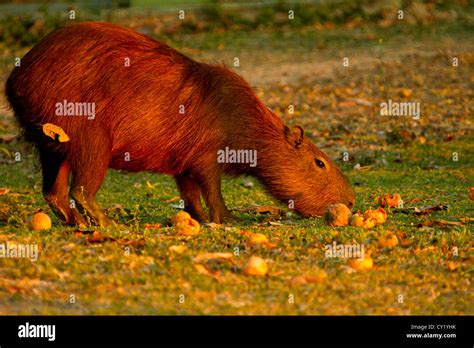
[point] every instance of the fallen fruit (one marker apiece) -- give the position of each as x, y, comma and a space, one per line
392, 200
357, 220
368, 223
180, 216
316, 277
337, 215
390, 240
379, 216
40, 221
258, 239
189, 227
256, 266
361, 265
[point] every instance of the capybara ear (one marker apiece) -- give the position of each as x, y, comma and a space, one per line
294, 136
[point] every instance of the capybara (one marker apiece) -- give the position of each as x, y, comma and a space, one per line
129, 102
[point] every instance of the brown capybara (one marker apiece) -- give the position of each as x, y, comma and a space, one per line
129, 102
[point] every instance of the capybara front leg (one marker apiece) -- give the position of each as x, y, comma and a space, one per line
87, 206
211, 188
191, 194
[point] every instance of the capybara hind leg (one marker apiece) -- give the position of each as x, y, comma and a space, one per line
191, 194
88, 173
55, 185
211, 187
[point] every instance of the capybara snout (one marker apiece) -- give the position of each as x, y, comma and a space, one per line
129, 102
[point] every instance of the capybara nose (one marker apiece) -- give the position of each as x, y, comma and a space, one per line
350, 205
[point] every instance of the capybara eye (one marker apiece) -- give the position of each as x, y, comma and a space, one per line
319, 163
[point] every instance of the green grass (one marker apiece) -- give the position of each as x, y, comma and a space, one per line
150, 280
104, 280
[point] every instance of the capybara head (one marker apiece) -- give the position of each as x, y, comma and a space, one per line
300, 174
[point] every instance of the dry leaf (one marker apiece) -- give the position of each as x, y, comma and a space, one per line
68, 247
173, 199
152, 226
97, 237
131, 242
205, 257
55, 132
6, 138
150, 185
178, 249
439, 223
4, 190
429, 209
317, 277
452, 266
202, 269
262, 209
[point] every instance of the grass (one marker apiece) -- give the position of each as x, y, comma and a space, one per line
148, 278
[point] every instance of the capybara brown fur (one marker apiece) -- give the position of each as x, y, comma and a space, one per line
154, 109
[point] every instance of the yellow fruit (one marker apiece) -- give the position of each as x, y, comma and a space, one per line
388, 241
390, 200
379, 216
357, 220
180, 216
337, 215
363, 265
189, 227
256, 266
368, 223
405, 92
40, 221
258, 239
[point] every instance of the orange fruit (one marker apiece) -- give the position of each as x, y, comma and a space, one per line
390, 200
379, 216
357, 220
180, 216
189, 227
361, 265
256, 266
337, 215
389, 240
39, 222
